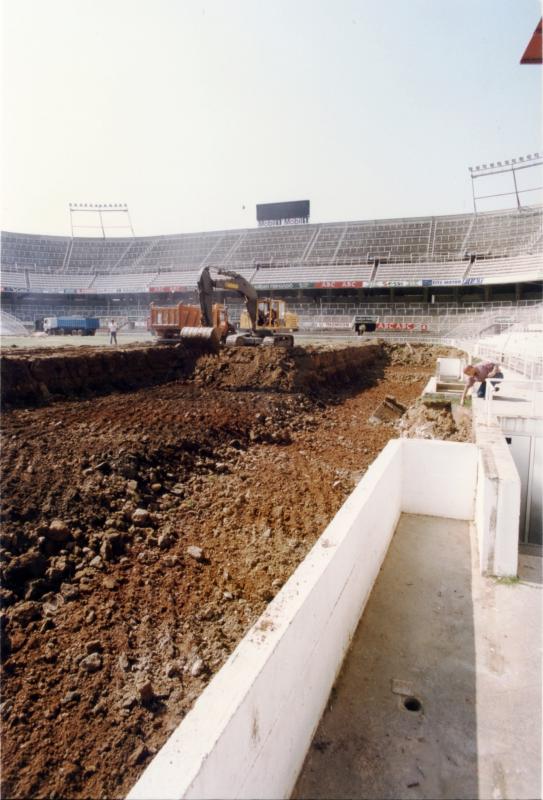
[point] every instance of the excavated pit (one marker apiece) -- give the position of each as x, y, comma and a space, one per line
144, 531
37, 376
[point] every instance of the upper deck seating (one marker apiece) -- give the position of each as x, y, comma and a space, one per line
423, 240
26, 250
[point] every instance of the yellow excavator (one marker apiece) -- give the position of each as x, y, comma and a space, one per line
264, 321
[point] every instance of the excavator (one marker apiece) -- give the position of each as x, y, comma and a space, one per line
264, 322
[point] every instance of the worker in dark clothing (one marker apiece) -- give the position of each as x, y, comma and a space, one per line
112, 332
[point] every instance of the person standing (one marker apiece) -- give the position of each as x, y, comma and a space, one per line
480, 372
112, 332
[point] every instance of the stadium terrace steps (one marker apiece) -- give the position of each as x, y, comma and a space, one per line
418, 239
524, 267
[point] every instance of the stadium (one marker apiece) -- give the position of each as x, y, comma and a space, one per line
309, 567
423, 270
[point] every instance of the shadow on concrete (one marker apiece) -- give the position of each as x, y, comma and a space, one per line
401, 719
530, 564
510, 399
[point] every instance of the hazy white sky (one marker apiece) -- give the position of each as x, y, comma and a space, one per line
193, 111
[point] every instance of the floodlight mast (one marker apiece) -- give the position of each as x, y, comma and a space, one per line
99, 209
512, 165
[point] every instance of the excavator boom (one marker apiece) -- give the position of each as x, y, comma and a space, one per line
233, 282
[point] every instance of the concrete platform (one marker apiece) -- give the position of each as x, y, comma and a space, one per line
464, 647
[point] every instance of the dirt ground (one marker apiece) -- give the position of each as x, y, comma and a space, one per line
143, 533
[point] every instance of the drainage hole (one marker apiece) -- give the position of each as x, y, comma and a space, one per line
412, 704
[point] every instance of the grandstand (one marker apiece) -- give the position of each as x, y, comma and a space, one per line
392, 268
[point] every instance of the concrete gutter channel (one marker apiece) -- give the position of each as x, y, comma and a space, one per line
436, 632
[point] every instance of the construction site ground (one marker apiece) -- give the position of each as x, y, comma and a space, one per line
144, 532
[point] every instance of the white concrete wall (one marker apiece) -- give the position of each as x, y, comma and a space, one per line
439, 478
448, 368
248, 733
497, 511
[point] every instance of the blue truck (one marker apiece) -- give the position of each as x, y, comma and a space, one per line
78, 326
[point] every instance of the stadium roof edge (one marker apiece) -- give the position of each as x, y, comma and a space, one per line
222, 232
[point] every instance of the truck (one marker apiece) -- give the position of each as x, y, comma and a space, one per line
184, 321
78, 326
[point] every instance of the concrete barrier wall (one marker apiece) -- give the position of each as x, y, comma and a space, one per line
497, 510
439, 478
248, 733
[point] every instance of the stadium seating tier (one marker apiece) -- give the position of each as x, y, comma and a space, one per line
453, 247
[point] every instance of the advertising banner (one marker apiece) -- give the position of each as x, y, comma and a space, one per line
392, 284
169, 288
402, 326
339, 285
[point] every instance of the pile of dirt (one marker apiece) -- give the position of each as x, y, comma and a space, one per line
435, 420
287, 370
143, 533
34, 377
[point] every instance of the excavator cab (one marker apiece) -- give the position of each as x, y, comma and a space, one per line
272, 316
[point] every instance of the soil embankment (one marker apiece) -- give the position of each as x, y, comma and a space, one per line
34, 377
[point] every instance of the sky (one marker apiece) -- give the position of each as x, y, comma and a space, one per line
194, 111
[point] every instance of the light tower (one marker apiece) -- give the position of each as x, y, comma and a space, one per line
102, 217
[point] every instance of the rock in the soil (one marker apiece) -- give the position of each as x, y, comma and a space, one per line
94, 646
123, 662
106, 550
95, 562
25, 613
197, 668
164, 541
195, 552
69, 592
141, 517
91, 663
139, 753
58, 531
91, 616
70, 697
146, 692
30, 564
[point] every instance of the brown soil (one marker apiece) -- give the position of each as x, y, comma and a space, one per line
435, 420
114, 621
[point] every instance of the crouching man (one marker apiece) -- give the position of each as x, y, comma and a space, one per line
480, 372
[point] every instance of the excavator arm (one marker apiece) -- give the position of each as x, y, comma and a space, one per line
233, 282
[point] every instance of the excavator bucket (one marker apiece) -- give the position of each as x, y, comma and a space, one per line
204, 340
